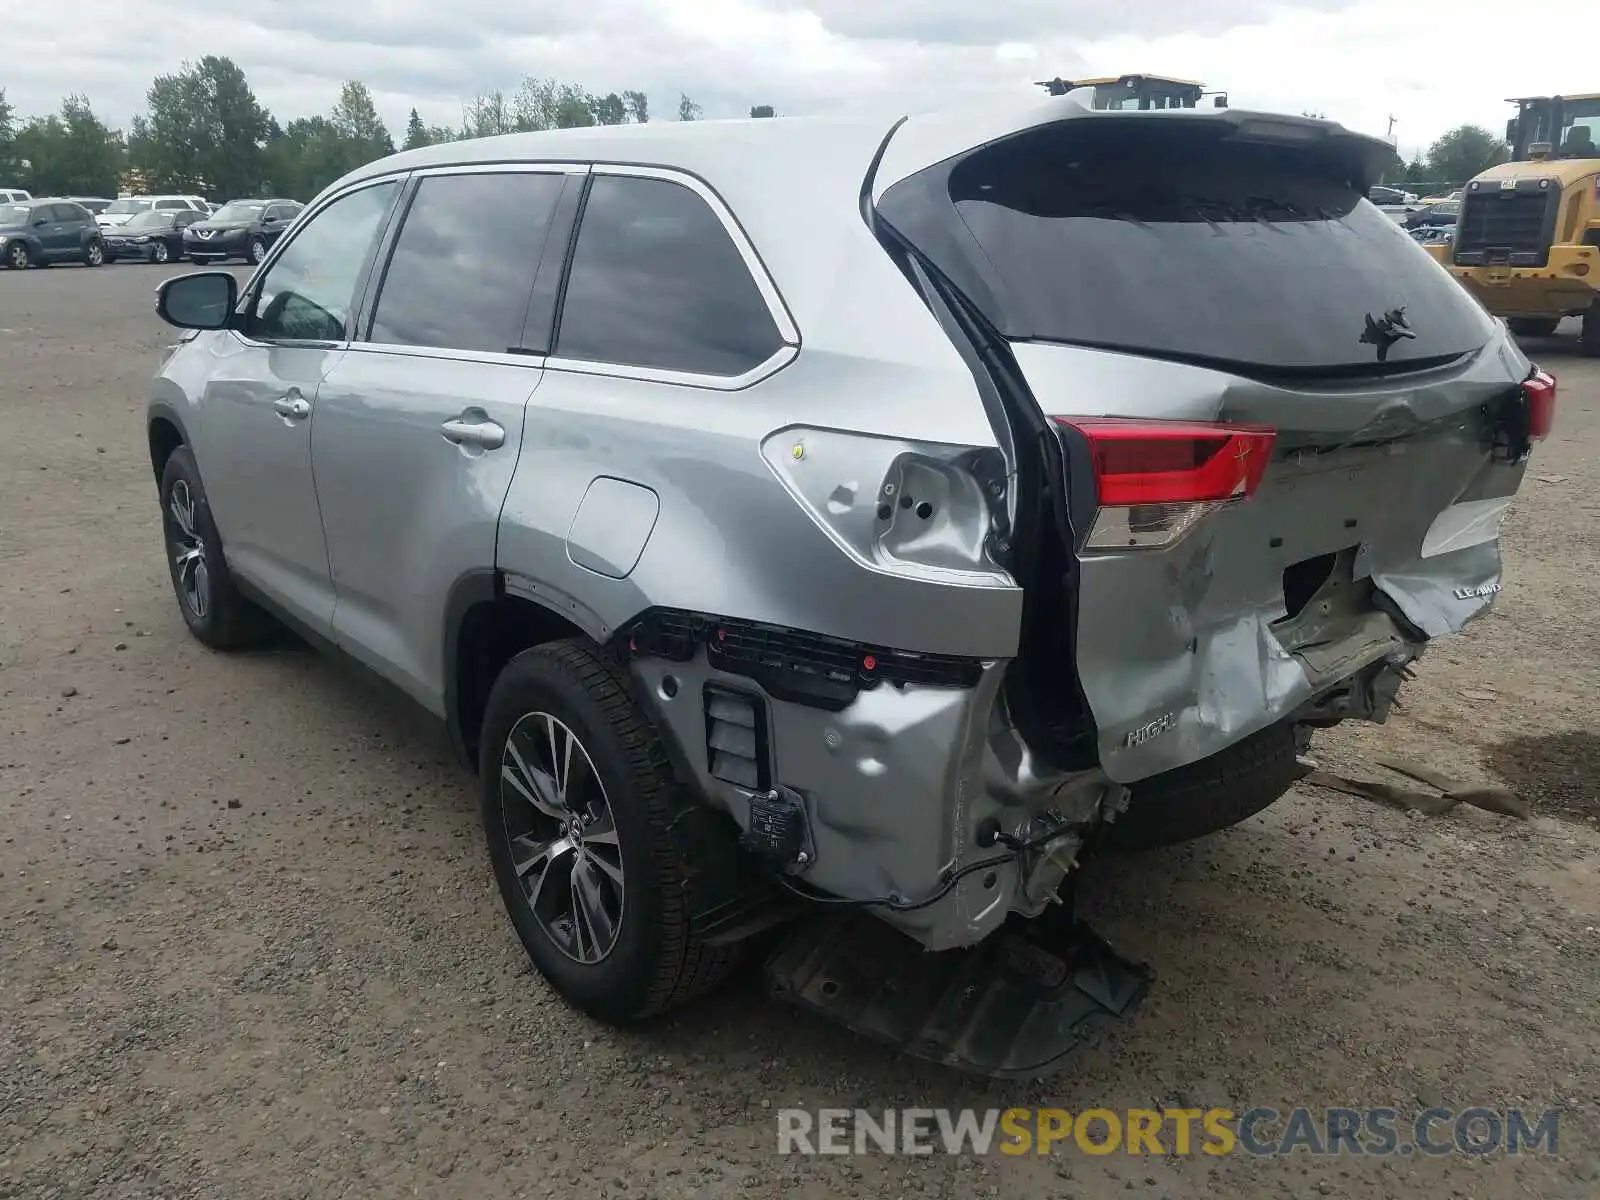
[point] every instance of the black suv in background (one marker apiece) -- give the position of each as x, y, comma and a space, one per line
239, 229
40, 232
154, 236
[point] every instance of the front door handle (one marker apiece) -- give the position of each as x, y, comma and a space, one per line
293, 408
486, 434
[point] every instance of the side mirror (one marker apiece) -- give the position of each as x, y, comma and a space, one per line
1221, 101
202, 300
271, 218
41, 221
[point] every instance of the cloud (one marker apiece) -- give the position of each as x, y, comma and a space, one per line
1359, 61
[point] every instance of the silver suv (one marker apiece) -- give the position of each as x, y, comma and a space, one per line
851, 517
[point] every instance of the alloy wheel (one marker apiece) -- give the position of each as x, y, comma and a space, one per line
563, 837
187, 550
17, 256
162, 254
97, 254
258, 251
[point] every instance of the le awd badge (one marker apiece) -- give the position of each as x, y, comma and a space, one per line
1474, 593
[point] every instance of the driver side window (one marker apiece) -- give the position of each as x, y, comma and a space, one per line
308, 292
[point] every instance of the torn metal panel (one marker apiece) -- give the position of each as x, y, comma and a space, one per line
1185, 650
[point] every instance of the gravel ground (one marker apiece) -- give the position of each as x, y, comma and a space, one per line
250, 947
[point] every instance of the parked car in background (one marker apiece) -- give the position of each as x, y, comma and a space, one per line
12, 195
1393, 201
118, 212
151, 236
1439, 213
95, 204
240, 229
36, 233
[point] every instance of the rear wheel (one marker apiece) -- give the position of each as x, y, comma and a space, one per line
582, 816
1590, 337
1533, 326
1209, 795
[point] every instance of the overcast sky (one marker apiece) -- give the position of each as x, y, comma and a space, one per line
1357, 61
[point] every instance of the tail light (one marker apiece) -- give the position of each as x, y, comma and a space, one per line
1156, 480
1540, 391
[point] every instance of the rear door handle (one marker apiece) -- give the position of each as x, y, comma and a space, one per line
293, 408
486, 434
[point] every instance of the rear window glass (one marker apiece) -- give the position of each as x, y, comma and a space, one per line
1173, 241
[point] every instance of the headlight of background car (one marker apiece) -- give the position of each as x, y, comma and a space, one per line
144, 237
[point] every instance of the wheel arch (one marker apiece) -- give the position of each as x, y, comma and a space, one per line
166, 433
484, 628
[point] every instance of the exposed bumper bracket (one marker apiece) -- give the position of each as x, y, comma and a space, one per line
1015, 1006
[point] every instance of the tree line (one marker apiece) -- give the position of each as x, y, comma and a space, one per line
204, 131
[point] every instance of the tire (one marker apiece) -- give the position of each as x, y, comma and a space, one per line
94, 254
161, 254
654, 960
1589, 339
1533, 326
17, 256
258, 251
208, 599
1209, 795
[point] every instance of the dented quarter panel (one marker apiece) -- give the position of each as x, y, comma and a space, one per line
1177, 649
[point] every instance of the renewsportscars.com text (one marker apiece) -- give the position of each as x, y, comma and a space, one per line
1257, 1132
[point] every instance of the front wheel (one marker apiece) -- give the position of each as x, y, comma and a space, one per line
580, 810
94, 254
161, 253
17, 256
258, 250
208, 599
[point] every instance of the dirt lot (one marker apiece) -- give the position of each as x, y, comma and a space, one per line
250, 947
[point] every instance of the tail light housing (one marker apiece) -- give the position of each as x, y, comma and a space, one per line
1539, 389
1156, 480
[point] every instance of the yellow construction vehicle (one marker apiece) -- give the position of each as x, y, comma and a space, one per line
1527, 239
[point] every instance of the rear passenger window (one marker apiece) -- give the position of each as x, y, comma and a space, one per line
463, 266
169, 205
657, 282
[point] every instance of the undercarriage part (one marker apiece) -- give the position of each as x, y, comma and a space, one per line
1015, 1006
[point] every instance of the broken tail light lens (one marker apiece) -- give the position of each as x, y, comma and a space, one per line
1156, 480
1540, 391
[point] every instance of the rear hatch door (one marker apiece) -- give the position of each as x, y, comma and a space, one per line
1299, 481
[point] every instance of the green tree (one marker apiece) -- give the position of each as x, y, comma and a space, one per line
357, 121
71, 154
609, 109
204, 132
1465, 151
416, 132
8, 153
488, 114
688, 110
638, 105
762, 110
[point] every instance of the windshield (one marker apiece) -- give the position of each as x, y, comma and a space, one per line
238, 211
1580, 129
131, 204
1171, 242
13, 214
149, 220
